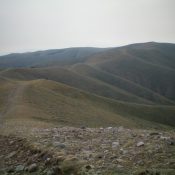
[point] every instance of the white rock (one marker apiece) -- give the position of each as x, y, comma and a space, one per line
120, 129
140, 144
120, 160
164, 138
59, 145
106, 151
119, 166
115, 144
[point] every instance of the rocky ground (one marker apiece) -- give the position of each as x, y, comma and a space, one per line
89, 151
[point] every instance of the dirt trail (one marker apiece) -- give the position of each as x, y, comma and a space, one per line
13, 99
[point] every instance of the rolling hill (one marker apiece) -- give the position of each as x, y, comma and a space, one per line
133, 86
61, 57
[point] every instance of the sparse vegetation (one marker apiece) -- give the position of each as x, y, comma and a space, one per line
92, 111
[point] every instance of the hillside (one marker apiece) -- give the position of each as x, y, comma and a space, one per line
79, 81
129, 83
145, 64
47, 103
87, 111
151, 66
48, 58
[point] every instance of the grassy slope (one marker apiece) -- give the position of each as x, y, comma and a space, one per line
150, 65
77, 80
155, 78
119, 82
46, 103
140, 73
5, 88
155, 53
48, 57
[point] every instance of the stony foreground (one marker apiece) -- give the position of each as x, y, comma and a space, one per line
103, 151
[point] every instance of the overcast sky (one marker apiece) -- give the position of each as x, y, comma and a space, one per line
28, 25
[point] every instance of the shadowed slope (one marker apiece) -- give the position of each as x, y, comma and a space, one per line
54, 57
139, 63
75, 80
121, 83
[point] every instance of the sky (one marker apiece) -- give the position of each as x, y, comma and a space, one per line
29, 25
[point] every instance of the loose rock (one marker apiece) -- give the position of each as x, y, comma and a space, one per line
33, 167
19, 168
59, 145
140, 144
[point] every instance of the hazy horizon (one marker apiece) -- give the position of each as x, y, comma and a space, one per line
54, 24
38, 50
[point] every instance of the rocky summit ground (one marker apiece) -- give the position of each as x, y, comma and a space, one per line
88, 151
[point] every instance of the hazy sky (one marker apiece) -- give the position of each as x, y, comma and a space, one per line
27, 25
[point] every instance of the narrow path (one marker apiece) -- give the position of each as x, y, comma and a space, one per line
14, 98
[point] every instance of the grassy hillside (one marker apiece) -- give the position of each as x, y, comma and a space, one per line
155, 53
133, 86
5, 88
76, 80
121, 83
48, 58
47, 103
149, 65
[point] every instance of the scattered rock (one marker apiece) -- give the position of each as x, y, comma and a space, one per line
99, 156
11, 142
109, 128
120, 160
115, 145
10, 169
11, 154
120, 129
88, 167
101, 149
71, 165
140, 144
20, 168
32, 168
60, 158
59, 145
119, 166
54, 171
50, 172
140, 162
48, 161
164, 138
154, 133
170, 141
